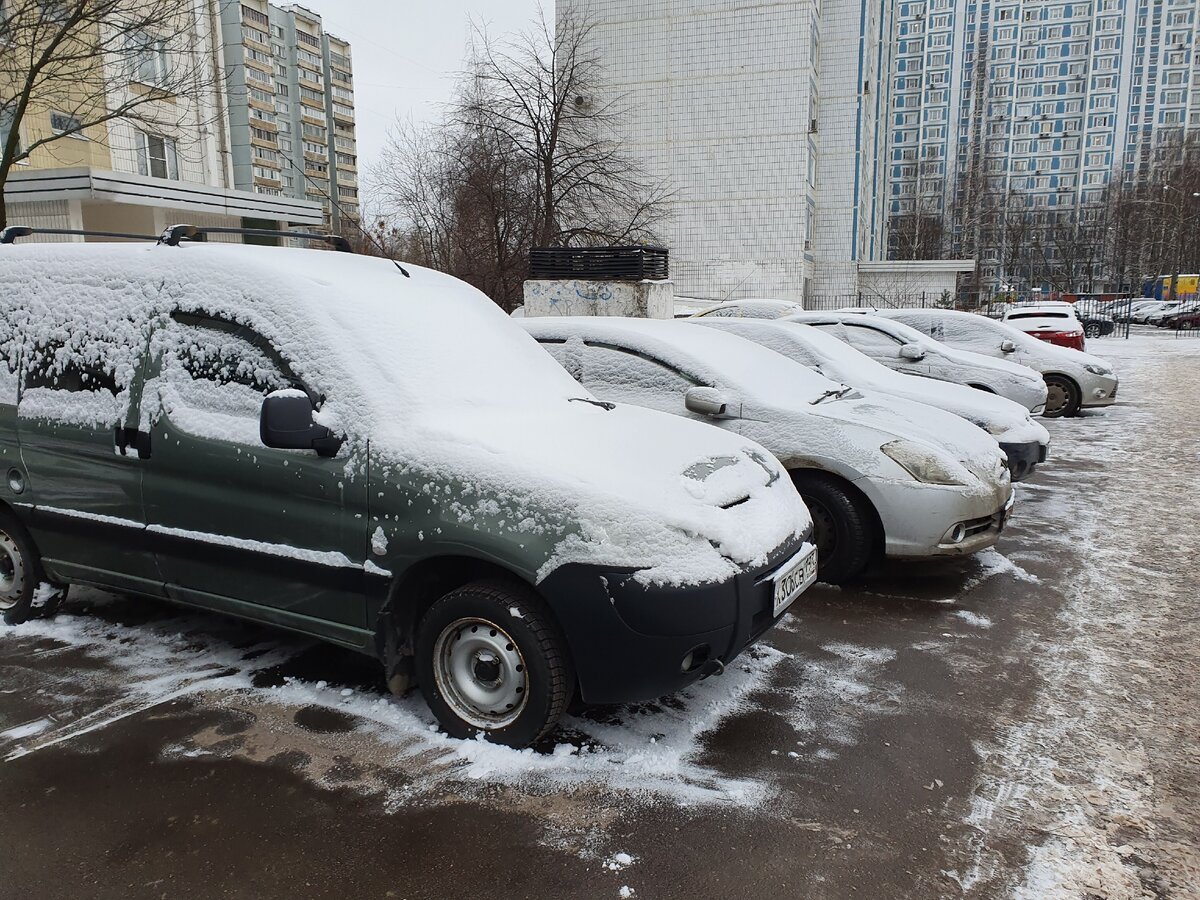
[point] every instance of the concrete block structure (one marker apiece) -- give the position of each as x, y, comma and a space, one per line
639, 299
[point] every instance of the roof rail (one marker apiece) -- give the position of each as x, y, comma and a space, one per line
174, 235
10, 234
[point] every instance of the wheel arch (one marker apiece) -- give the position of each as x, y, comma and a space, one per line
417, 588
878, 532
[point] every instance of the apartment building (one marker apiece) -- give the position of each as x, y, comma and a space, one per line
136, 178
291, 107
1042, 100
768, 120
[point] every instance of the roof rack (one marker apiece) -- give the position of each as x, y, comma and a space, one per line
9, 235
176, 234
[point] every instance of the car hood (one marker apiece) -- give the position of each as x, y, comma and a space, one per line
846, 435
616, 485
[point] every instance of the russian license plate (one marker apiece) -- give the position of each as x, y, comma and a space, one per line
795, 578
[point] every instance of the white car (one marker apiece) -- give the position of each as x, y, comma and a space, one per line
1024, 441
751, 309
1168, 308
878, 474
1144, 309
908, 351
1055, 323
1075, 380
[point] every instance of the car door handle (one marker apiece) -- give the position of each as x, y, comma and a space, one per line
124, 438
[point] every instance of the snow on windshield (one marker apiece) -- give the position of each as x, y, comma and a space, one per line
711, 357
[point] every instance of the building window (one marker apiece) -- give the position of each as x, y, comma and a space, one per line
149, 59
61, 123
6, 123
156, 156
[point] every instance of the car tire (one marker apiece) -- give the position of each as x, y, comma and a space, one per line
1093, 330
843, 526
1063, 397
492, 662
21, 575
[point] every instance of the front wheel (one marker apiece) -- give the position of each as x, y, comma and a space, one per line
843, 526
1062, 397
24, 593
491, 661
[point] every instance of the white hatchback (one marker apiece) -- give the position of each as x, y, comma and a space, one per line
879, 474
1023, 440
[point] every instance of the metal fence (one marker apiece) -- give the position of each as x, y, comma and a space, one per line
1100, 320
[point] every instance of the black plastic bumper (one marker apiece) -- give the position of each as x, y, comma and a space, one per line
629, 641
1023, 458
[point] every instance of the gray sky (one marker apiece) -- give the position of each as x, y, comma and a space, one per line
406, 54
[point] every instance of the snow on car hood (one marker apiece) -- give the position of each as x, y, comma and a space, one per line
630, 487
435, 379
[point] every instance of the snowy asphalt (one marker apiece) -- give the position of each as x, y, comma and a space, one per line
1024, 723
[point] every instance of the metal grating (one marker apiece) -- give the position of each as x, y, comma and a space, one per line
599, 263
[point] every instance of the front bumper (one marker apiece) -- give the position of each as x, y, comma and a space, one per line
918, 519
1024, 458
1099, 390
629, 642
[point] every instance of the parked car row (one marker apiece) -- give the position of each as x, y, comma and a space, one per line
510, 514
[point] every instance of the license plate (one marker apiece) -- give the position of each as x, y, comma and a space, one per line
795, 578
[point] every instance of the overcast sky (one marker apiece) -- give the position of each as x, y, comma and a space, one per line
406, 54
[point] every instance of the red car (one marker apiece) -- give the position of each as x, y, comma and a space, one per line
1187, 320
1055, 323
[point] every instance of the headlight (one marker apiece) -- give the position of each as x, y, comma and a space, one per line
1097, 370
922, 463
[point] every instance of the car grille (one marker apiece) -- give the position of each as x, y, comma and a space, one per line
981, 525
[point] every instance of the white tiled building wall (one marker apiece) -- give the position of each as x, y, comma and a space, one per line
719, 97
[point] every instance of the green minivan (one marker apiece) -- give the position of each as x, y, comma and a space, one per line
378, 457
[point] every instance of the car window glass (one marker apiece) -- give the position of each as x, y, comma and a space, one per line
212, 381
1039, 315
871, 341
73, 384
625, 377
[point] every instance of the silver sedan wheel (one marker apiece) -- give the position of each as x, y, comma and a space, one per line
1056, 399
480, 673
12, 572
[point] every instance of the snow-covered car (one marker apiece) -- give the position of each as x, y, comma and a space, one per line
380, 458
1135, 311
1146, 309
880, 475
1075, 380
1024, 441
751, 309
908, 351
1171, 320
1055, 323
1156, 315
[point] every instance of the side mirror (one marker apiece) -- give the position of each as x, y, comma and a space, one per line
1007, 346
706, 401
913, 352
286, 423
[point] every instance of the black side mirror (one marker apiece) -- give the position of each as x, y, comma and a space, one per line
286, 423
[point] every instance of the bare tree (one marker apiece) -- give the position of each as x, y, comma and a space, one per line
542, 97
70, 68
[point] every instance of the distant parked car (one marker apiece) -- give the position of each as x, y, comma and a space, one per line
1123, 311
878, 474
1074, 379
1184, 309
1155, 316
1188, 321
906, 350
751, 309
1055, 323
1023, 440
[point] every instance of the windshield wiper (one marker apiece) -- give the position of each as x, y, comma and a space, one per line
603, 404
836, 395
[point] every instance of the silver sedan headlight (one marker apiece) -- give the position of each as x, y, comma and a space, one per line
922, 463
1097, 370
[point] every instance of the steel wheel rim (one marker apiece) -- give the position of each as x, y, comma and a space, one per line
823, 528
480, 673
12, 572
1056, 399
